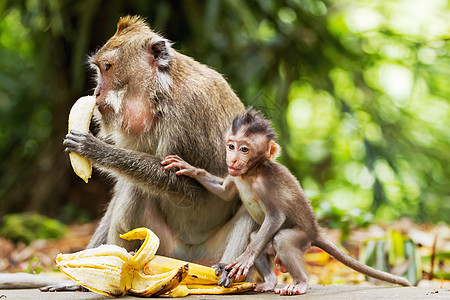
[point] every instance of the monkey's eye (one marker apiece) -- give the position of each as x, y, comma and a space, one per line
244, 149
230, 146
108, 66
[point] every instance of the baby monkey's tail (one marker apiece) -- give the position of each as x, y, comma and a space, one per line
341, 256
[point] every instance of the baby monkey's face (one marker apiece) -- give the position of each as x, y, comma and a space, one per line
245, 151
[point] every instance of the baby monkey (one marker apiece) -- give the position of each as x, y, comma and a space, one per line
274, 199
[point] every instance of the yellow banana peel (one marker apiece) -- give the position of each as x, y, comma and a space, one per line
148, 248
79, 119
183, 290
204, 289
111, 270
180, 291
201, 280
198, 274
159, 284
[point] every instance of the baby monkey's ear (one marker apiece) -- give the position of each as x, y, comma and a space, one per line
274, 151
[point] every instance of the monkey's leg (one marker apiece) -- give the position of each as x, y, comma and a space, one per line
265, 270
124, 213
237, 232
290, 245
131, 208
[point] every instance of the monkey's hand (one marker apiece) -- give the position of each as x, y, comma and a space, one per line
171, 161
241, 265
224, 280
84, 144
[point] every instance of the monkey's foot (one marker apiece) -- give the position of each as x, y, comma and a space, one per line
265, 287
292, 289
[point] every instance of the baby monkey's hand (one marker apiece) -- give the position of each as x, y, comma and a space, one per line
171, 161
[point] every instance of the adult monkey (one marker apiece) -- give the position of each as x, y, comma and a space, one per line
153, 101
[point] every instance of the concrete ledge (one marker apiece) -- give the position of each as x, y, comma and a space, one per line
317, 292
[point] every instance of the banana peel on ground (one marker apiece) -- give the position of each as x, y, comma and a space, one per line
111, 270
201, 280
198, 274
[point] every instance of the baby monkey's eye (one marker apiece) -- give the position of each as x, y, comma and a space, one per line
244, 149
231, 146
108, 66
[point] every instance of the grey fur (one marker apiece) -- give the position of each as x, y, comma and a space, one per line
275, 200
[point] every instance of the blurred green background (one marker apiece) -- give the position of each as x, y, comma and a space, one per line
358, 91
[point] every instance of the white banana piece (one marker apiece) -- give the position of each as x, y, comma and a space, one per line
79, 119
180, 291
97, 269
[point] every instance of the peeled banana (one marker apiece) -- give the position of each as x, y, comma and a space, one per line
111, 270
79, 119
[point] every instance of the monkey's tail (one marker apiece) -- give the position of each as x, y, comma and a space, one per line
344, 258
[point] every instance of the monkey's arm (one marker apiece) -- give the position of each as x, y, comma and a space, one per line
273, 221
223, 188
140, 167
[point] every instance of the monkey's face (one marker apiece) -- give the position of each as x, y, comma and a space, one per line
128, 77
245, 152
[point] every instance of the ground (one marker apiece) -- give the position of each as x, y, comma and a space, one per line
316, 292
328, 278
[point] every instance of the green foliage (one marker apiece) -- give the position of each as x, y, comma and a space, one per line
335, 217
378, 136
33, 270
440, 265
394, 253
29, 227
357, 90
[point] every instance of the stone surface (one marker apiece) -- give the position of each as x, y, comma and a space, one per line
317, 292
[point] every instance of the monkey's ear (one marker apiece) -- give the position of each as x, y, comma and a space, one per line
274, 151
159, 53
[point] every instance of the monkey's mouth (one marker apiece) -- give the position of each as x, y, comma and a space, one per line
234, 172
104, 108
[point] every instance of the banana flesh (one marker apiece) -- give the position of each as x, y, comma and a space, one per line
111, 270
79, 119
180, 291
